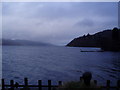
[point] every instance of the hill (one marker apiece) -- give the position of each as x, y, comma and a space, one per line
22, 43
108, 40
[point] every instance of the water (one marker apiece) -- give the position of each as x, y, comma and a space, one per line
58, 63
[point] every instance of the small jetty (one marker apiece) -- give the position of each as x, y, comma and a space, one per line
91, 50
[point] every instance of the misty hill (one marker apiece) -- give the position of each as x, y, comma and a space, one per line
23, 43
107, 40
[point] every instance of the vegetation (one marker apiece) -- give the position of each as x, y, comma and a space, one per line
108, 40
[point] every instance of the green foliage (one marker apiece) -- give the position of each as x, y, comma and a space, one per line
72, 84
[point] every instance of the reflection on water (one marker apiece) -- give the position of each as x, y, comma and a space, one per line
58, 63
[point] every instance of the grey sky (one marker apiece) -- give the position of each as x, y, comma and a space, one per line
56, 22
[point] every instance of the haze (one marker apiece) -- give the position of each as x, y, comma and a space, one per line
56, 22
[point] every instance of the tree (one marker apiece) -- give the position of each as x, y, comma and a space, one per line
115, 33
84, 36
88, 34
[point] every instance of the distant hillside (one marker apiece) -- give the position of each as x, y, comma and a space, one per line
107, 40
22, 43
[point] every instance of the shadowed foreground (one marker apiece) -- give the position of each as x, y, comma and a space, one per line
73, 85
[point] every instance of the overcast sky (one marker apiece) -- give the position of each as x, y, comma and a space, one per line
55, 22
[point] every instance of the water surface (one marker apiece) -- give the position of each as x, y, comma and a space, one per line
58, 63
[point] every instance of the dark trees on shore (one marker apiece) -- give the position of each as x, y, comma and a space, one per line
115, 34
108, 40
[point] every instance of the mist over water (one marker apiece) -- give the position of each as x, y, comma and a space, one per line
58, 63
56, 22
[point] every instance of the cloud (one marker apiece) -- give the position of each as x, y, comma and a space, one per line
56, 22
85, 23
